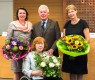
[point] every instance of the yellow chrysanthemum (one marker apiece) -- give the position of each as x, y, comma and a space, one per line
80, 43
72, 43
76, 42
74, 46
68, 40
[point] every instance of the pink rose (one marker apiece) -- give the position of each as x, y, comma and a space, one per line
14, 43
11, 52
8, 47
21, 47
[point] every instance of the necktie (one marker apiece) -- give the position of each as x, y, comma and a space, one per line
43, 25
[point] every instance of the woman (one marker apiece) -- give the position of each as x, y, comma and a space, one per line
29, 68
21, 27
75, 66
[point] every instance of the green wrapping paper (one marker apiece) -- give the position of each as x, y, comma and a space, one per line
65, 48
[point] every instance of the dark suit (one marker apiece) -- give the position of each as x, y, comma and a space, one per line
51, 34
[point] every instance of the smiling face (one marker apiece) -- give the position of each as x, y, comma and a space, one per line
43, 12
39, 47
21, 14
72, 13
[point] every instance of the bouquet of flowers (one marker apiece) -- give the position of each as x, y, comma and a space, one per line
49, 64
15, 49
73, 45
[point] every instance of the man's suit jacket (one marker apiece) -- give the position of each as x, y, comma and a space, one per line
51, 33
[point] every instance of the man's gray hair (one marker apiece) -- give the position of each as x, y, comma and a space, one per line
43, 6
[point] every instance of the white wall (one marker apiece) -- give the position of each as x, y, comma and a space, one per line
6, 14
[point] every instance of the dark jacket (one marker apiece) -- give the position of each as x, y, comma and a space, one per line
51, 34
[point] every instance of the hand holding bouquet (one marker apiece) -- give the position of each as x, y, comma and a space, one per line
15, 49
73, 45
49, 64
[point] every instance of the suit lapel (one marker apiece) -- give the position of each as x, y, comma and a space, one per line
39, 30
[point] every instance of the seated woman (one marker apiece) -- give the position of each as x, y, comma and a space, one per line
29, 68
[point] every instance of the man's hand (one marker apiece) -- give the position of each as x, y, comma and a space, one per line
50, 51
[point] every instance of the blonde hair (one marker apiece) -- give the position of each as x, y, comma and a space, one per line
43, 6
73, 7
38, 40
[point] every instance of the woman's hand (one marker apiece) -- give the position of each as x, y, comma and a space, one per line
38, 73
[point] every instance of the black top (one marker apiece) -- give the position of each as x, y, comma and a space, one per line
76, 28
75, 65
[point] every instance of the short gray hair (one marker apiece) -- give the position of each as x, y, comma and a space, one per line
43, 6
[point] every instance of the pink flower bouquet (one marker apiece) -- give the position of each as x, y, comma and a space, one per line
15, 49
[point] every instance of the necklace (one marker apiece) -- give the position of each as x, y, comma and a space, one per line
75, 21
22, 23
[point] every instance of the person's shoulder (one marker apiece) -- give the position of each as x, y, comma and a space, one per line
12, 22
81, 20
29, 22
30, 54
36, 23
51, 20
84, 23
68, 22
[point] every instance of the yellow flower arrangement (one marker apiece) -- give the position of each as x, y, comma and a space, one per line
73, 45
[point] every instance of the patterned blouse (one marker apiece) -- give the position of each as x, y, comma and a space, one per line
13, 32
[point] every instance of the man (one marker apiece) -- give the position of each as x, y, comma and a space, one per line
48, 29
